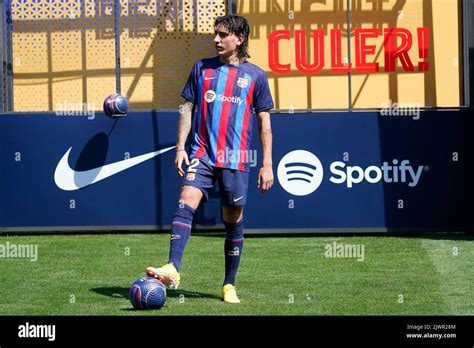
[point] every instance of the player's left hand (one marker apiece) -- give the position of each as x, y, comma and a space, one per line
265, 178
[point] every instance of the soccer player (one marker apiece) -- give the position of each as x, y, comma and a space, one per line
227, 91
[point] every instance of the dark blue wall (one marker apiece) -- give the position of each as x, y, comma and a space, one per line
145, 195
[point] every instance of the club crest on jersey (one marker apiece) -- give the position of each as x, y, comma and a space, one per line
191, 176
242, 82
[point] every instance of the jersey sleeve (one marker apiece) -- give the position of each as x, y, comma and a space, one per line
262, 98
190, 90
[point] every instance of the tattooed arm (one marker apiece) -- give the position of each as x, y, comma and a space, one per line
184, 127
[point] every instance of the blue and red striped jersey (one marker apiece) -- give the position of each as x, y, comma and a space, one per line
227, 97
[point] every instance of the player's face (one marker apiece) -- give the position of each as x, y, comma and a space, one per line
225, 42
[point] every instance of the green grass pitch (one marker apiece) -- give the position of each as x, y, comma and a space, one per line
90, 275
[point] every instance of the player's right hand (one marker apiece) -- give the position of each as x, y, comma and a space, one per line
181, 156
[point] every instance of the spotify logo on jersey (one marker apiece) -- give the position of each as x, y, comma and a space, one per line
210, 96
300, 172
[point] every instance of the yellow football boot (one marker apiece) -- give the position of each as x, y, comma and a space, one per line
167, 274
229, 295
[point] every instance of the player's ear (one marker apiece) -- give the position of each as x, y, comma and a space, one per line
240, 40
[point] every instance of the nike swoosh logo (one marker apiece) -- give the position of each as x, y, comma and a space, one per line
209, 78
238, 199
68, 179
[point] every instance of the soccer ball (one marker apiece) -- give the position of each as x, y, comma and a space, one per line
147, 293
115, 105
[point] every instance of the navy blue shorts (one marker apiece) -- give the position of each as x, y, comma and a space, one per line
233, 184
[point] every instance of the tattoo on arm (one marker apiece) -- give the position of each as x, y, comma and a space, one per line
186, 107
184, 123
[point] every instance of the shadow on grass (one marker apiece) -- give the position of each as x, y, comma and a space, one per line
116, 292
131, 309
190, 294
121, 292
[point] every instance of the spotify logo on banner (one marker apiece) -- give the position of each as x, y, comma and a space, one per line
300, 172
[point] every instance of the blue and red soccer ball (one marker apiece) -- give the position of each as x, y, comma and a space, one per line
115, 105
147, 293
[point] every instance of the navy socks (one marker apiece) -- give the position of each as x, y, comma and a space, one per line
233, 249
180, 231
